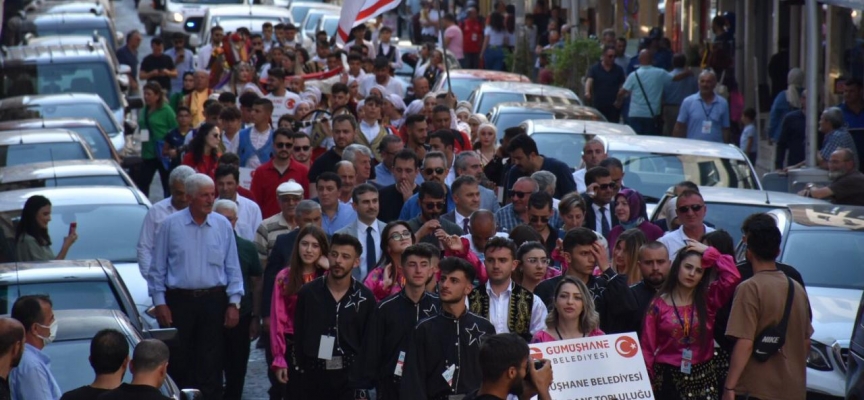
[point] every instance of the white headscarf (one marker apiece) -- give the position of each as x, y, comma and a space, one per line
793, 90
415, 107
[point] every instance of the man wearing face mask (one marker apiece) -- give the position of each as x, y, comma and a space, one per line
33, 378
11, 351
109, 356
149, 369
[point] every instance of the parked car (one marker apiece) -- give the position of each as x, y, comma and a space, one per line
186, 16
855, 359
728, 207
506, 115
307, 25
41, 145
89, 129
406, 73
70, 351
826, 245
564, 139
74, 24
465, 81
64, 173
109, 221
36, 6
232, 17
122, 70
70, 105
488, 94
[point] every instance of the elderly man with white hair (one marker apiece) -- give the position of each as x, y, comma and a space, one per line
289, 194
546, 181
161, 210
196, 284
361, 157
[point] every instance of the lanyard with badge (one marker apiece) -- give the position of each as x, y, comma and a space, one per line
328, 342
707, 123
686, 326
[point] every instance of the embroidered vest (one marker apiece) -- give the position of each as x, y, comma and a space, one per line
390, 55
518, 311
376, 143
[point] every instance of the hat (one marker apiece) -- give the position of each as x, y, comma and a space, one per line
396, 101
290, 187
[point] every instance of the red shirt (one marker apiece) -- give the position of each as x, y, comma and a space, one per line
265, 180
207, 166
472, 33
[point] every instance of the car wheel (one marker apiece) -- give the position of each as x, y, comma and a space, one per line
150, 28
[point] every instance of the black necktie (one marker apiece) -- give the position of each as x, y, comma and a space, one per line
465, 225
370, 250
604, 222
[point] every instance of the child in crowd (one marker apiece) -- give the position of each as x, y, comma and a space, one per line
749, 141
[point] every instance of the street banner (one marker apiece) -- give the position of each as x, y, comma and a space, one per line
356, 12
609, 367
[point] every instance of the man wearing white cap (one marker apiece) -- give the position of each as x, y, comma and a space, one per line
289, 193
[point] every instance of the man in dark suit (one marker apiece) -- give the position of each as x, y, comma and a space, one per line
466, 195
600, 209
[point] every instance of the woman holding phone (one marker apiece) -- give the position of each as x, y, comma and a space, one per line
31, 235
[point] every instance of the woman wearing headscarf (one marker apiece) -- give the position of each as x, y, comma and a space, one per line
631, 212
176, 99
786, 101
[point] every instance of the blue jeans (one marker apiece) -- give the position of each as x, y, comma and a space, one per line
493, 58
643, 126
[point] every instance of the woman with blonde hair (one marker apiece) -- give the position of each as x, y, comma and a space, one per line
625, 255
474, 122
573, 314
487, 143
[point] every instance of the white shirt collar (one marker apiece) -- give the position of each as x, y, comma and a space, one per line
491, 293
361, 227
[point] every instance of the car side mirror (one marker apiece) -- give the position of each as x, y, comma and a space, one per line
190, 394
135, 102
163, 334
194, 41
123, 80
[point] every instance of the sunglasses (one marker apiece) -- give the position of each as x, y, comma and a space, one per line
400, 235
605, 186
695, 208
302, 148
435, 206
434, 171
519, 195
283, 145
535, 219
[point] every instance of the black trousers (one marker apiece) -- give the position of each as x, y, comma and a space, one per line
318, 384
388, 388
197, 356
237, 347
277, 389
144, 177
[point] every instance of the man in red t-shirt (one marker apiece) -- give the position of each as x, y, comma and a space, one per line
278, 170
472, 33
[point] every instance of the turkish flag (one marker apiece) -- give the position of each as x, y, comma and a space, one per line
356, 12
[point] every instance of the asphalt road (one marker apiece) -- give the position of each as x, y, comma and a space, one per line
256, 376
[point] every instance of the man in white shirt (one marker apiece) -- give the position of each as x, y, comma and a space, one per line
284, 102
359, 34
255, 143
366, 228
204, 53
381, 77
231, 124
482, 227
249, 214
691, 210
158, 213
592, 153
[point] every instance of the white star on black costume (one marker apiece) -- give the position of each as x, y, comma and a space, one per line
475, 330
354, 300
431, 311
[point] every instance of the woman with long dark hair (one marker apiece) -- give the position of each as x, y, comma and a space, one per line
678, 329
495, 39
387, 278
203, 152
31, 234
573, 314
308, 261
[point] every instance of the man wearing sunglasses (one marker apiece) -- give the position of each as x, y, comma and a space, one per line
540, 213
691, 210
598, 200
516, 213
434, 169
302, 150
280, 169
432, 200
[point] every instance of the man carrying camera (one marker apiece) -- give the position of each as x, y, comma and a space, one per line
507, 369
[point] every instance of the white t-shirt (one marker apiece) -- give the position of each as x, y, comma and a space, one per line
433, 29
496, 38
283, 105
258, 140
393, 85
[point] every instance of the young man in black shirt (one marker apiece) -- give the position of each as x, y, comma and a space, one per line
395, 318
329, 322
507, 370
149, 369
158, 66
109, 355
442, 361
11, 352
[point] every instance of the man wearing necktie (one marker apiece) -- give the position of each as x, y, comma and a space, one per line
366, 228
601, 190
466, 196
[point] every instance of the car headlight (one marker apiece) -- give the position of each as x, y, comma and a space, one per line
177, 17
818, 359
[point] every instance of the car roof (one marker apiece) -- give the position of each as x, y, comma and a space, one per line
314, 4
30, 136
76, 7
573, 110
826, 216
58, 169
577, 127
84, 324
671, 145
254, 10
54, 53
80, 18
73, 195
49, 99
713, 194
48, 123
54, 270
495, 76
527, 88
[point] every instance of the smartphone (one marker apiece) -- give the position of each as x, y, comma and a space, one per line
72, 227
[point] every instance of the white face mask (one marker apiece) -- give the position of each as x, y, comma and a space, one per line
52, 329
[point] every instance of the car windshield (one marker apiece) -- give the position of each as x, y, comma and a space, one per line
506, 120
489, 100
653, 173
94, 111
566, 147
93, 180
298, 12
330, 26
462, 87
108, 231
62, 77
100, 147
311, 21
816, 252
41, 152
252, 23
65, 295
63, 30
70, 365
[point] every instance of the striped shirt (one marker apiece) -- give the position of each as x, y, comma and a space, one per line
265, 236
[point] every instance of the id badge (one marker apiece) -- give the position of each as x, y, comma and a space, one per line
334, 363
399, 364
448, 374
687, 354
686, 366
706, 127
144, 134
325, 348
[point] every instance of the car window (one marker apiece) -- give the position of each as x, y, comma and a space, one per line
510, 119
64, 30
652, 173
298, 13
70, 365
252, 23
95, 180
462, 87
104, 231
809, 251
331, 25
311, 21
94, 111
41, 152
562, 146
65, 295
489, 100
62, 77
100, 147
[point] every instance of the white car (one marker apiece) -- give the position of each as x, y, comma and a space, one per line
230, 18
310, 22
489, 94
187, 16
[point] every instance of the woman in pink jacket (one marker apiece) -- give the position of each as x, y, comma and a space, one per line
387, 278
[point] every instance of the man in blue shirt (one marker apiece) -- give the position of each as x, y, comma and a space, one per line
674, 92
335, 214
32, 379
128, 55
704, 115
196, 284
644, 86
434, 169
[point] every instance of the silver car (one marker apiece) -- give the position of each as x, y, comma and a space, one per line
42, 145
64, 173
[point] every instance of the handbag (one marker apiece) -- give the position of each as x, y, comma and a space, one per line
658, 119
771, 339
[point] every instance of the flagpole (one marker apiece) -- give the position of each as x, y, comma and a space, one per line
443, 46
